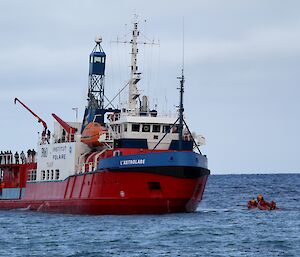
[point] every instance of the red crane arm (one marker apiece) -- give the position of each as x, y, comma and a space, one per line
70, 130
39, 119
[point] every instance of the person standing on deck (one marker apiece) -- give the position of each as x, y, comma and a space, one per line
29, 159
33, 153
11, 156
4, 157
7, 157
17, 158
22, 155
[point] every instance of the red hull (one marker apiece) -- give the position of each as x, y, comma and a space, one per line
112, 193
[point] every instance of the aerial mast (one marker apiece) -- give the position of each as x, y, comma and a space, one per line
135, 75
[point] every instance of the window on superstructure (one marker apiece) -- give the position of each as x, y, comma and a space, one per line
43, 175
29, 175
146, 128
56, 174
48, 174
166, 128
52, 174
125, 127
135, 127
97, 59
34, 175
156, 128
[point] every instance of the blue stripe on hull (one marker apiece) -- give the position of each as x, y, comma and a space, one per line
186, 159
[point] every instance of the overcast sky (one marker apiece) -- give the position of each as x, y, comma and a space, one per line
242, 68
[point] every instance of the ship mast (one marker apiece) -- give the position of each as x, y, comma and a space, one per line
181, 91
181, 110
135, 75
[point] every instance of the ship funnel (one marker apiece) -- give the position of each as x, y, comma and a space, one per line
144, 104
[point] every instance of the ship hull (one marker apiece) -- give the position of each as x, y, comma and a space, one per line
113, 192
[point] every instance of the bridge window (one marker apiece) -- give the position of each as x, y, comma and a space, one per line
166, 129
135, 127
146, 128
156, 128
97, 59
125, 127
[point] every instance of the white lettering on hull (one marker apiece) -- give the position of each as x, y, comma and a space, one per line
132, 162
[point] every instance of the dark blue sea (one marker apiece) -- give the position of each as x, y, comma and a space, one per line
222, 226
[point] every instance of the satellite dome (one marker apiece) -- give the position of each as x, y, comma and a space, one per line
98, 39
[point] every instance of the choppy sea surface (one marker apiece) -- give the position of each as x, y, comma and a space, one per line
222, 226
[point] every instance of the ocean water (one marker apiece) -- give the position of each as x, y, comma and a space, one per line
222, 226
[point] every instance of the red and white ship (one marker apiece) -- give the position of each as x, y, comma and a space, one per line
128, 161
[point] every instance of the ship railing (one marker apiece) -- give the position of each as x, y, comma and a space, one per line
90, 165
137, 112
111, 134
82, 163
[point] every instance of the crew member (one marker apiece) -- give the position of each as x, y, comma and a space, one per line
262, 204
252, 204
33, 153
4, 156
8, 157
22, 156
17, 158
29, 157
260, 198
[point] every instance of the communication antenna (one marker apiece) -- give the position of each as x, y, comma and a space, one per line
135, 74
181, 90
182, 44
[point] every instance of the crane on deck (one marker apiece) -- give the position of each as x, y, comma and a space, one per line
35, 115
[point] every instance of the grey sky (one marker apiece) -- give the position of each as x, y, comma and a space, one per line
242, 63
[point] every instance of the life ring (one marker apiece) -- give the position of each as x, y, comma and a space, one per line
146, 128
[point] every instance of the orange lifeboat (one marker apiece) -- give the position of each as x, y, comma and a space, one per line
92, 133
